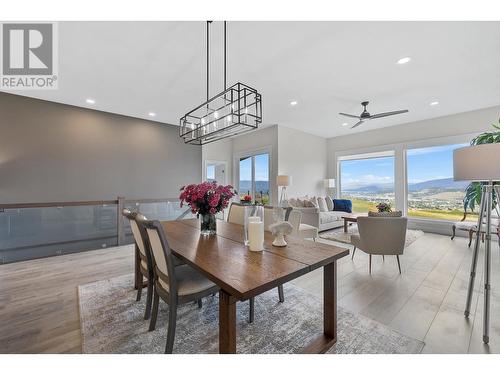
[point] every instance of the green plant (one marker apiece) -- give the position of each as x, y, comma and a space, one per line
474, 189
384, 207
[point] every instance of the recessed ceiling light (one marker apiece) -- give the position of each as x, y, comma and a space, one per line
152, 114
345, 124
404, 60
90, 101
294, 102
434, 103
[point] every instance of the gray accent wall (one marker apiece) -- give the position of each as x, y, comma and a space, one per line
56, 152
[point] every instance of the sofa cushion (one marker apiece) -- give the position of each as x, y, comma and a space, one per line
330, 216
322, 204
329, 203
342, 205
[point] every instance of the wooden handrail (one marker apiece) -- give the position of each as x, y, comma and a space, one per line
10, 206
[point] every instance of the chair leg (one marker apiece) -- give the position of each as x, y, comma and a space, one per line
154, 314
399, 264
370, 265
470, 237
453, 228
251, 315
281, 293
200, 303
172, 320
383, 258
139, 288
353, 251
149, 300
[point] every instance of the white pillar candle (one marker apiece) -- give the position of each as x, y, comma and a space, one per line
256, 235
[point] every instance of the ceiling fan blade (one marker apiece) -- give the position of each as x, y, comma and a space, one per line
357, 124
385, 114
348, 115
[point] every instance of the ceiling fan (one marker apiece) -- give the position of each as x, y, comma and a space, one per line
365, 115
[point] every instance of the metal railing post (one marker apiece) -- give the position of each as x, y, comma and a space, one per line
120, 231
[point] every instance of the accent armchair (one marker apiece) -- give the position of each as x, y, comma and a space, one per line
381, 236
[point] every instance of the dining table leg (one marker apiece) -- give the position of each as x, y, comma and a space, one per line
227, 323
325, 341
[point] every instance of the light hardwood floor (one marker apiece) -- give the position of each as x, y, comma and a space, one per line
39, 302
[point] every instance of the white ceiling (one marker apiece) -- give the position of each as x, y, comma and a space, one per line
133, 68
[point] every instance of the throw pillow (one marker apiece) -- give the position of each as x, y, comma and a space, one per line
309, 203
385, 214
329, 203
322, 204
342, 205
314, 201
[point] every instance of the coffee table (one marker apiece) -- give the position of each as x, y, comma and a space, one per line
351, 218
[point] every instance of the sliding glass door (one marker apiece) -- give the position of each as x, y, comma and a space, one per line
254, 177
367, 180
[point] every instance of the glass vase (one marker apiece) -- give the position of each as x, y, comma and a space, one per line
208, 224
252, 213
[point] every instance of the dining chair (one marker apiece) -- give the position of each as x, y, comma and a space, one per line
237, 216
146, 262
381, 236
174, 285
299, 229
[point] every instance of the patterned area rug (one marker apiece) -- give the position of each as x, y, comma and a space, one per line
112, 322
340, 236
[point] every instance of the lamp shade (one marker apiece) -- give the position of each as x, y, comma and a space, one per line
329, 183
283, 180
477, 163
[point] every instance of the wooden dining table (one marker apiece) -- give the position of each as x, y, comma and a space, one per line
242, 274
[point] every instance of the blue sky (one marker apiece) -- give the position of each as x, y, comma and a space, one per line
424, 164
261, 168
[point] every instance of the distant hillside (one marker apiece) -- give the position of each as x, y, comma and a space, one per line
443, 183
246, 186
439, 184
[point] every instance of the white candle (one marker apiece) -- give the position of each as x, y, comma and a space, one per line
256, 235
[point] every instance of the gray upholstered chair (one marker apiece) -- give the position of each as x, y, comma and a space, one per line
381, 236
237, 216
174, 285
146, 262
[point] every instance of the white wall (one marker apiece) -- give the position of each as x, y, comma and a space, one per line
292, 152
219, 151
304, 157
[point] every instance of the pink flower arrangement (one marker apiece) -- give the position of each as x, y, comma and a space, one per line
207, 197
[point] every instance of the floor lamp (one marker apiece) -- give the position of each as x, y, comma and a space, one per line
283, 181
480, 163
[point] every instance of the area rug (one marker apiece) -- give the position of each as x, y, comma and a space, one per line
340, 236
112, 322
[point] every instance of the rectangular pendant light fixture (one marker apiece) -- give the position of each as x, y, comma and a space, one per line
234, 111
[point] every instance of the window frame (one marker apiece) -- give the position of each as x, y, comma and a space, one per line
251, 154
401, 172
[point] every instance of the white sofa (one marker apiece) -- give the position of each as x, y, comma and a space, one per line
315, 217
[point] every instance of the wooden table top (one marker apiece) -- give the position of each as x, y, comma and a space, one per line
226, 261
354, 215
